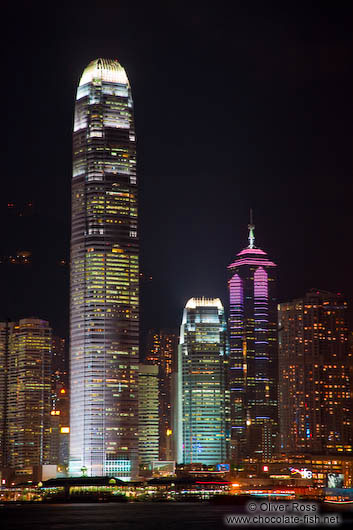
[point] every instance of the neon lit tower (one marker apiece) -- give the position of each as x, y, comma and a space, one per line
104, 317
253, 358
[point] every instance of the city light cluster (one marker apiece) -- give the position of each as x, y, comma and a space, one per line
246, 391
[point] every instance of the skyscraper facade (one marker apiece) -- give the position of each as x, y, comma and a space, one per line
314, 383
104, 316
148, 414
28, 395
162, 348
202, 404
253, 356
5, 330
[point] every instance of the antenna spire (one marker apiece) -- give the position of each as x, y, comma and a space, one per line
251, 228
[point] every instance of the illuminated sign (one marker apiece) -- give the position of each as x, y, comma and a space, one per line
335, 480
303, 472
223, 467
65, 430
163, 468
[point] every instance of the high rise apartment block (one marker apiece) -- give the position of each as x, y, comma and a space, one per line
314, 375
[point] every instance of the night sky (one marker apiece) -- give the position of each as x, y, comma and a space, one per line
249, 107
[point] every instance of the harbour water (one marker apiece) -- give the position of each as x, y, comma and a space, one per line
112, 516
126, 516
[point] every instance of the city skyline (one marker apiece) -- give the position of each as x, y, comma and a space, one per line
280, 110
161, 362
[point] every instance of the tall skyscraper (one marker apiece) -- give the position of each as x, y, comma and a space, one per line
202, 403
253, 356
28, 395
104, 318
162, 348
148, 414
314, 383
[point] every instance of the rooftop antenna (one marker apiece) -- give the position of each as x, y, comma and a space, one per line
251, 228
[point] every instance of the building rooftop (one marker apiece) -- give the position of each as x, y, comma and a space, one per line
81, 481
109, 70
204, 302
187, 480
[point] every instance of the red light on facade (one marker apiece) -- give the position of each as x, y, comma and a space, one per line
265, 469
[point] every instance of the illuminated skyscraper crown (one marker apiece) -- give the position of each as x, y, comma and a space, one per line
251, 255
109, 70
204, 302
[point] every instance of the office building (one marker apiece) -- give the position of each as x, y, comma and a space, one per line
314, 375
161, 351
202, 404
148, 413
253, 356
5, 330
104, 319
28, 392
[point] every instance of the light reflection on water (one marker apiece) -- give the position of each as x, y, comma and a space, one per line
130, 516
134, 516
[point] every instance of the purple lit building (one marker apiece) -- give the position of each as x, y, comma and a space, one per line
253, 359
